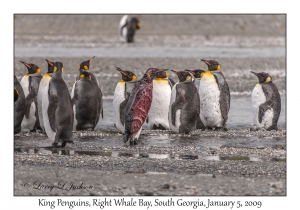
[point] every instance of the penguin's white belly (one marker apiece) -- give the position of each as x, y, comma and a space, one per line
45, 104
174, 128
74, 107
158, 113
28, 123
258, 98
119, 97
44, 82
123, 30
210, 112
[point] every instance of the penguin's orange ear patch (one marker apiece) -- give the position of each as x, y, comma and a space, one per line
133, 78
81, 76
38, 70
86, 67
54, 69
268, 79
218, 67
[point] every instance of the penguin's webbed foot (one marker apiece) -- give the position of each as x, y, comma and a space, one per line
55, 145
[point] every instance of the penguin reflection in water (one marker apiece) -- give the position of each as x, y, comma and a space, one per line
161, 94
215, 97
127, 27
266, 103
57, 109
84, 103
184, 104
198, 73
138, 106
19, 105
121, 96
30, 84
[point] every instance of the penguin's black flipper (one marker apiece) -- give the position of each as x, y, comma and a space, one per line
178, 103
53, 101
123, 110
171, 82
265, 106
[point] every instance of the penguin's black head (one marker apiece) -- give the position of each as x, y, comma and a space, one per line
85, 74
133, 22
85, 65
16, 94
163, 74
182, 75
50, 66
58, 67
127, 75
32, 68
197, 73
263, 77
152, 72
212, 65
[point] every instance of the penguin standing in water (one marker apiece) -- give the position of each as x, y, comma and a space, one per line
121, 96
138, 106
161, 94
215, 97
19, 105
85, 66
198, 73
127, 27
57, 108
266, 103
184, 104
30, 84
44, 82
84, 103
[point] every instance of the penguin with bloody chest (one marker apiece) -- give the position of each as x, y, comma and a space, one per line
138, 106
215, 97
84, 103
184, 104
161, 94
266, 103
30, 84
43, 83
57, 109
19, 105
121, 96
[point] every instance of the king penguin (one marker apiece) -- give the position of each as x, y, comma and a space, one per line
127, 27
85, 66
44, 82
198, 73
266, 103
57, 108
30, 84
121, 96
138, 106
161, 95
84, 103
19, 105
215, 97
184, 104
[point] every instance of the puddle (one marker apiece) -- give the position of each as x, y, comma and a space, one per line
279, 159
245, 158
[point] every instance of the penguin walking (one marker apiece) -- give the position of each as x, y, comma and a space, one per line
184, 104
57, 108
215, 97
138, 105
43, 83
30, 84
19, 105
161, 95
198, 73
84, 103
121, 96
266, 103
127, 27
85, 66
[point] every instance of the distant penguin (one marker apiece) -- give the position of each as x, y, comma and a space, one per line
85, 66
266, 103
121, 96
30, 84
19, 105
215, 97
184, 104
198, 73
138, 106
161, 94
44, 82
84, 103
57, 109
127, 27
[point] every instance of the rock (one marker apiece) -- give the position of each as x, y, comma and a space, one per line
260, 147
166, 187
277, 185
144, 155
